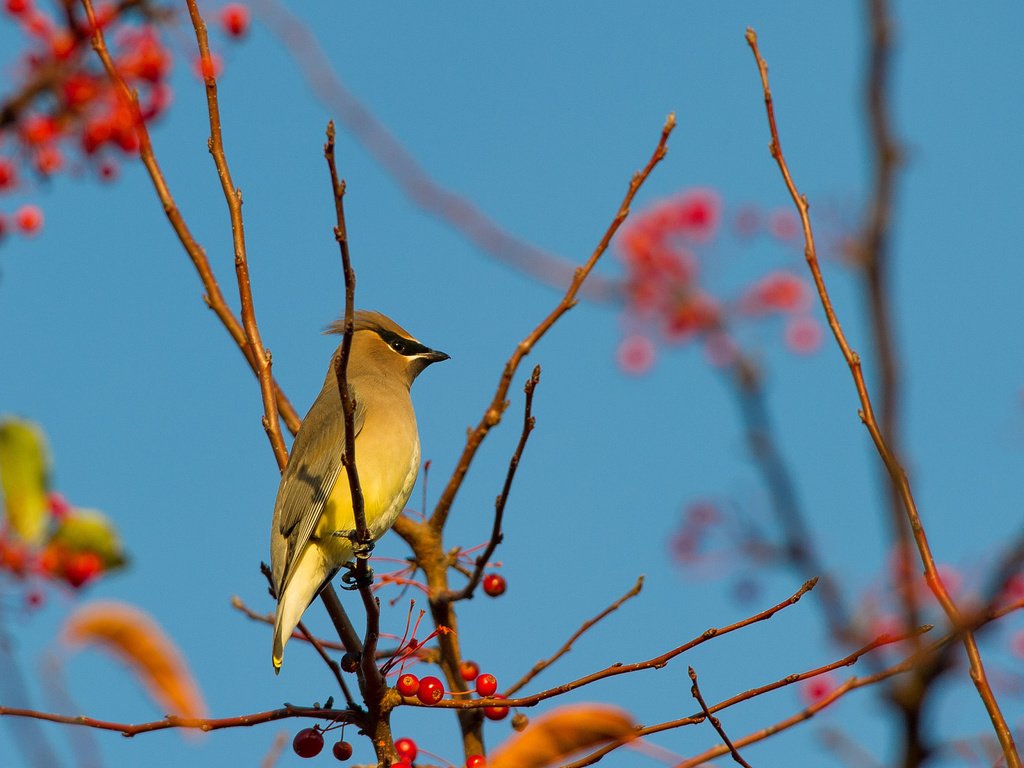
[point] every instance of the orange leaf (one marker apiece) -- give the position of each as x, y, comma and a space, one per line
558, 734
133, 637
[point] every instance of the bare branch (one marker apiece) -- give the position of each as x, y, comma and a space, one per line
260, 356
492, 416
896, 471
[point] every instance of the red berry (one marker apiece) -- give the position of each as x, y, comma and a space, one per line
8, 176
431, 691
342, 750
406, 749
28, 219
476, 761
496, 713
234, 17
17, 7
469, 670
49, 160
486, 685
82, 567
401, 764
494, 584
350, 662
308, 742
408, 684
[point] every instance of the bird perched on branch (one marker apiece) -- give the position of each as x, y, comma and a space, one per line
310, 539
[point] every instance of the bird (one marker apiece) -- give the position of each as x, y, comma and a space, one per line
313, 517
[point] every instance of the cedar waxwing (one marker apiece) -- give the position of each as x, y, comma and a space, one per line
313, 513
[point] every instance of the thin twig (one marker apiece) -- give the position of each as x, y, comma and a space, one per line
499, 503
622, 669
715, 722
492, 416
331, 664
699, 717
188, 723
896, 471
543, 664
268, 618
233, 196
370, 678
213, 297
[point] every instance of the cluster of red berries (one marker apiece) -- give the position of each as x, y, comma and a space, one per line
309, 742
664, 297
64, 113
72, 559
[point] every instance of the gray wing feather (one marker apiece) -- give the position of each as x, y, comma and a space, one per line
309, 477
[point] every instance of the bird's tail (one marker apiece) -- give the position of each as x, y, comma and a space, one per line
303, 584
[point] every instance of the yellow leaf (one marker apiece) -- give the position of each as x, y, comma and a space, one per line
136, 639
24, 470
553, 737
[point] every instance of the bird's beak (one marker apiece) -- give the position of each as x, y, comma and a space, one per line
433, 356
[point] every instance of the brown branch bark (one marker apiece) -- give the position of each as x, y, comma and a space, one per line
233, 196
543, 664
896, 471
213, 297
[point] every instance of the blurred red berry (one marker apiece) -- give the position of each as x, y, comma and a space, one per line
17, 7
486, 685
431, 691
469, 670
62, 45
342, 750
95, 134
59, 506
28, 219
496, 713
308, 742
401, 764
13, 557
108, 171
82, 567
38, 129
8, 175
79, 89
408, 684
817, 688
210, 66
778, 292
696, 313
52, 560
234, 17
636, 354
49, 160
406, 749
476, 761
803, 334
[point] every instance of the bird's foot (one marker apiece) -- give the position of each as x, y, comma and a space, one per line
361, 549
352, 580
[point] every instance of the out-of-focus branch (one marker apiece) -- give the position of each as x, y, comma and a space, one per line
499, 503
213, 297
799, 547
492, 415
543, 664
891, 461
715, 722
456, 211
233, 197
623, 669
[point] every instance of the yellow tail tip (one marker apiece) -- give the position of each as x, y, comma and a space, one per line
277, 665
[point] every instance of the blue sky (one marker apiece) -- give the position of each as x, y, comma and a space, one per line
538, 113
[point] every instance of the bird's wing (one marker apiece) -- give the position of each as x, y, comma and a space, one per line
312, 471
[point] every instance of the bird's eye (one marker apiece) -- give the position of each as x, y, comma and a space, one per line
399, 346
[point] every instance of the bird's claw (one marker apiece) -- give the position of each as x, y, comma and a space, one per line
351, 580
